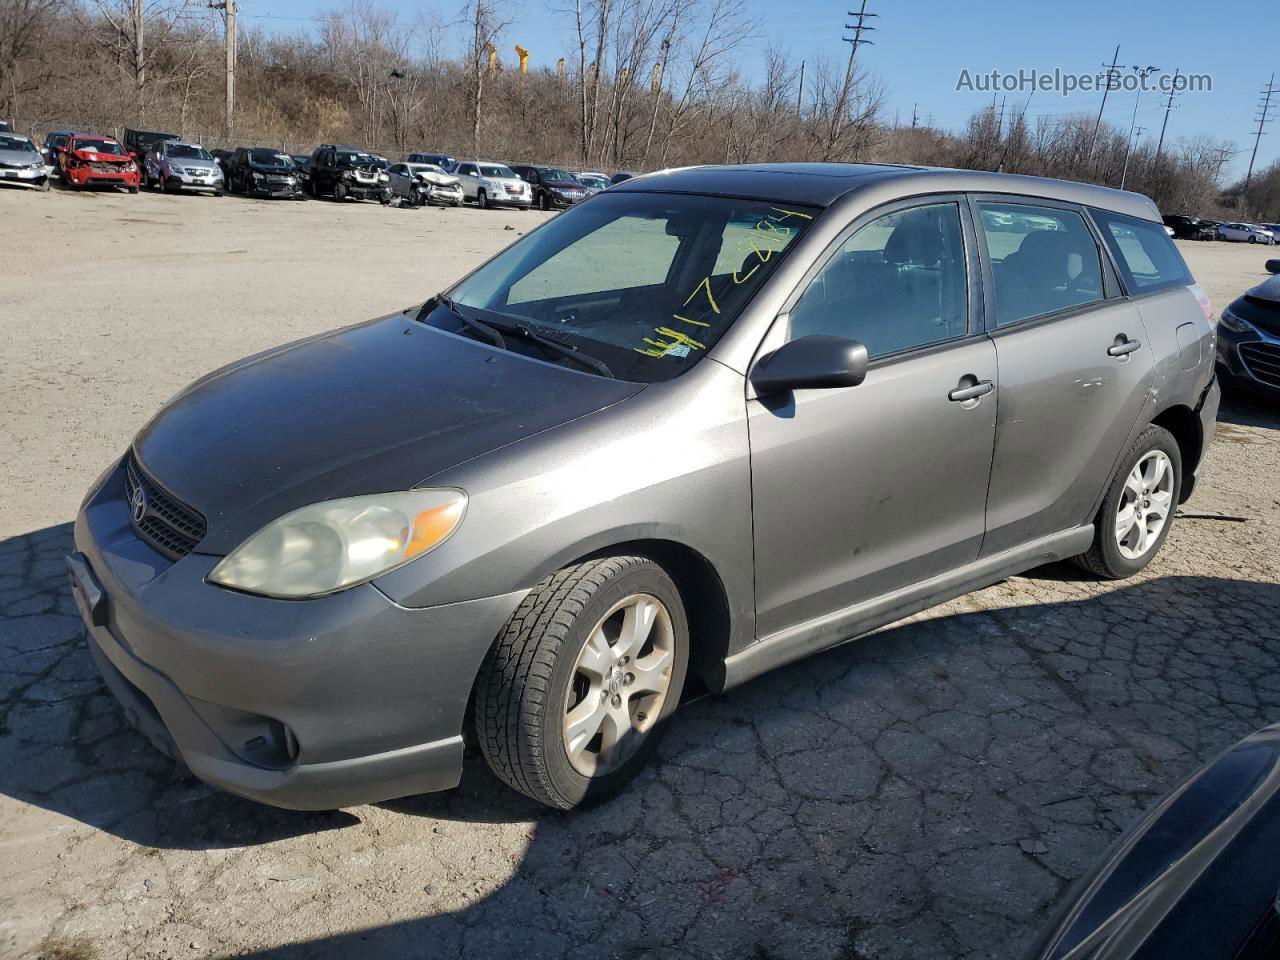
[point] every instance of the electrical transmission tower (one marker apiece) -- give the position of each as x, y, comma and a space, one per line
1263, 118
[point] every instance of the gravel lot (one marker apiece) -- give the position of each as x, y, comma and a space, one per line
929, 792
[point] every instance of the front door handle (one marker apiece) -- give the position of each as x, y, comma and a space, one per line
1123, 347
972, 390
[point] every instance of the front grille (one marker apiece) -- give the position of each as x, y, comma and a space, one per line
1263, 361
167, 523
97, 167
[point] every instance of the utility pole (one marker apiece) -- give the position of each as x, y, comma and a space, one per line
914, 115
856, 40
1133, 136
228, 8
1263, 119
1173, 88
1143, 73
800, 90
1112, 76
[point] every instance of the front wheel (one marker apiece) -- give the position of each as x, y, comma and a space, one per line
1137, 512
482, 200
339, 191
575, 694
544, 203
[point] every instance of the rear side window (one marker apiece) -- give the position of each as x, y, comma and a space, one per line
1043, 260
1145, 253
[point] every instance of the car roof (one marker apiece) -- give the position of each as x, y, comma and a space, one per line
180, 143
821, 184
93, 136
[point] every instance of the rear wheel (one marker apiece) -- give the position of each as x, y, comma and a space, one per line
575, 694
44, 185
1137, 512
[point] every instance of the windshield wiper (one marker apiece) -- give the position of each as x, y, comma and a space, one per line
482, 328
493, 332
566, 350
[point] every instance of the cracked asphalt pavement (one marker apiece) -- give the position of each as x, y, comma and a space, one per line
930, 791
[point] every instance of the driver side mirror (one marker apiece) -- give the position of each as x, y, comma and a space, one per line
1273, 266
815, 362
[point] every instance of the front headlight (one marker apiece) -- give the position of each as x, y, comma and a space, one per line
384, 177
335, 544
1229, 321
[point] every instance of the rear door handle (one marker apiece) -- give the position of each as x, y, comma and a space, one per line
972, 392
1122, 348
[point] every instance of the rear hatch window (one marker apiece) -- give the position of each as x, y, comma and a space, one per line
1144, 251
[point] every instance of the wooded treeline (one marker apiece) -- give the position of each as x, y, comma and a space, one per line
644, 84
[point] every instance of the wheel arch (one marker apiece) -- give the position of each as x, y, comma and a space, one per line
1181, 421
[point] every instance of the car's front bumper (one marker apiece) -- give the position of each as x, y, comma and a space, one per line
84, 176
1249, 360
311, 704
368, 191
194, 182
444, 195
278, 189
25, 177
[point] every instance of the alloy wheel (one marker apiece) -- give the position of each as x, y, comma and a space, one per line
619, 686
1145, 504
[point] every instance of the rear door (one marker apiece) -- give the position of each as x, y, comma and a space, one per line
861, 490
1075, 364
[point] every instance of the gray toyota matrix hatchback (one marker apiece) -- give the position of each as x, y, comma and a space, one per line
704, 423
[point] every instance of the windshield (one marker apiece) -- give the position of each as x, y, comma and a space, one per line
591, 181
551, 173
98, 146
270, 158
17, 143
492, 170
645, 282
359, 159
186, 151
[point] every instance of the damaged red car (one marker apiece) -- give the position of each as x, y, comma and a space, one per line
88, 161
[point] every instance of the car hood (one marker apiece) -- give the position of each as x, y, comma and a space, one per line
20, 156
439, 179
99, 157
1267, 290
279, 170
381, 406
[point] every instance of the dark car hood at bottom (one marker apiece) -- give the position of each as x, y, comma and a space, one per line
377, 407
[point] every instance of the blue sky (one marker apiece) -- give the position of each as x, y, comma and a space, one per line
921, 46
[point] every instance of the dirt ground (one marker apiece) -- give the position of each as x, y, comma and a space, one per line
929, 792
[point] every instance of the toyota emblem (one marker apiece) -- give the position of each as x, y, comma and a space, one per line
138, 504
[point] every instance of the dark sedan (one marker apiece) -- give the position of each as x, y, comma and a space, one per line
263, 172
1249, 337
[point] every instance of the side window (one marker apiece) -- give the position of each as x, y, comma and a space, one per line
898, 283
1147, 258
467, 170
1043, 260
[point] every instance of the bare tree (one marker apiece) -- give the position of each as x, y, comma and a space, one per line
136, 32
23, 27
485, 24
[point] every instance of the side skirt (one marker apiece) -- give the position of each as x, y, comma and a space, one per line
841, 626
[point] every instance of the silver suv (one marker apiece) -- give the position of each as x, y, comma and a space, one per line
174, 165
708, 421
492, 185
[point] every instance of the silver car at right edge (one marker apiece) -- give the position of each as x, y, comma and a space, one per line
704, 423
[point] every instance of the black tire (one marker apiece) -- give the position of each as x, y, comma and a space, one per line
1104, 558
456, 203
217, 193
1251, 238
526, 677
339, 191
482, 200
133, 189
544, 204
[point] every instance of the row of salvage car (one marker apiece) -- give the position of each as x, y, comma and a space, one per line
163, 161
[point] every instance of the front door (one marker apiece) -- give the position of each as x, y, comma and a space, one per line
1075, 370
861, 490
